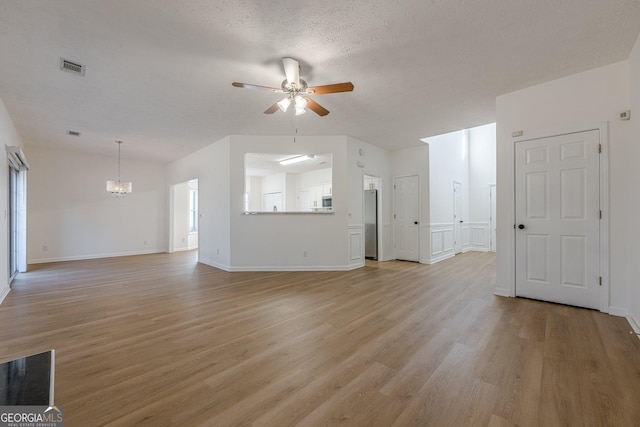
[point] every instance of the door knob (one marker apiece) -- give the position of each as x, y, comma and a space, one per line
415, 222
461, 221
521, 226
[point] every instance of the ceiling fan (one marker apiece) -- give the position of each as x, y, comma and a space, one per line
297, 91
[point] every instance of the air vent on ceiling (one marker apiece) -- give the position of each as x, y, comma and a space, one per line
73, 133
72, 67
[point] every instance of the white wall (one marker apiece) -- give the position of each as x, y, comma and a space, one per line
253, 186
211, 166
180, 217
275, 183
467, 156
573, 103
633, 194
308, 179
482, 173
448, 161
8, 137
72, 216
482, 170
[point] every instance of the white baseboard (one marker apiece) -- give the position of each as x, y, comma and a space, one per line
438, 258
93, 256
501, 292
214, 264
3, 293
450, 254
299, 268
618, 311
231, 269
634, 324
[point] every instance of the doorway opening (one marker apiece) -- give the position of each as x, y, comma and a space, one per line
372, 223
184, 229
466, 158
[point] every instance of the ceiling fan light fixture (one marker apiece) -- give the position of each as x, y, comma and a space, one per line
300, 102
283, 104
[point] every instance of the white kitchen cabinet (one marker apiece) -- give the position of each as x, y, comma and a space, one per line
315, 196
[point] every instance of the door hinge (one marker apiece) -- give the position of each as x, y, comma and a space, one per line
600, 280
394, 186
394, 216
600, 214
599, 148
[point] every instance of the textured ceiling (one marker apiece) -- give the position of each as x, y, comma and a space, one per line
159, 72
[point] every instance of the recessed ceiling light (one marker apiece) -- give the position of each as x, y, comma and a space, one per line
73, 133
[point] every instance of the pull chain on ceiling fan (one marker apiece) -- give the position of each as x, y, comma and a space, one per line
297, 91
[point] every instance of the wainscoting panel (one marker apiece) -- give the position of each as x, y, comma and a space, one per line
479, 233
440, 242
475, 237
387, 253
356, 245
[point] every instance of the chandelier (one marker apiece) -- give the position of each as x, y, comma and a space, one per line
119, 188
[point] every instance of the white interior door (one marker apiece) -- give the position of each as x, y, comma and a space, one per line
457, 217
407, 215
558, 219
492, 217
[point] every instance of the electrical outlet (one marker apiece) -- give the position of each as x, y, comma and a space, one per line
217, 251
145, 242
45, 248
304, 254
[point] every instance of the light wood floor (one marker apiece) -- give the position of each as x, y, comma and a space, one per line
159, 340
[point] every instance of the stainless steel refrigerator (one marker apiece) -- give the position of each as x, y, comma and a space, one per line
371, 224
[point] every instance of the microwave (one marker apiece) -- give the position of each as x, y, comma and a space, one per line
327, 202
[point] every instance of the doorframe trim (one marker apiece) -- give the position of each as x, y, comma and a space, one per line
393, 208
492, 219
603, 135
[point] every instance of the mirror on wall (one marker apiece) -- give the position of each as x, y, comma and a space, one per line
299, 182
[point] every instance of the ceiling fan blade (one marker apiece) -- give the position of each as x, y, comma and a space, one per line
315, 107
291, 70
338, 87
249, 86
272, 109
